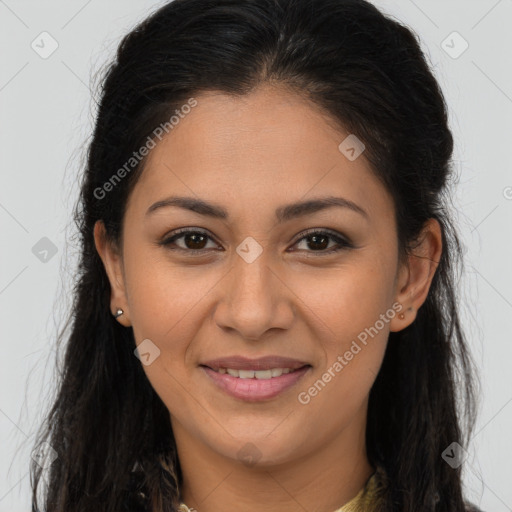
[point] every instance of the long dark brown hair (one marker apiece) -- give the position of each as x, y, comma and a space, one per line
109, 429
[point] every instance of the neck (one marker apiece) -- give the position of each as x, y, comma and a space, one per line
322, 480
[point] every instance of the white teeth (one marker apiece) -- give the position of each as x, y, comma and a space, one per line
263, 374
258, 374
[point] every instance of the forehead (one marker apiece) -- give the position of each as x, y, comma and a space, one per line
269, 147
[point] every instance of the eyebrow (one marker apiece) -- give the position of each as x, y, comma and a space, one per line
283, 213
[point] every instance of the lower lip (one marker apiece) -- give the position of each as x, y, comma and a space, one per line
253, 390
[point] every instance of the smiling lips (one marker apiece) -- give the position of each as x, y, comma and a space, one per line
261, 363
255, 379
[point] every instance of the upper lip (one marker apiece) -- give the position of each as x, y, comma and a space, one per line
261, 363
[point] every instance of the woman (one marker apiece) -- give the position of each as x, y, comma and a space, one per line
265, 316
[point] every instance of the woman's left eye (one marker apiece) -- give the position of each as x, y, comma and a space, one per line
319, 239
195, 240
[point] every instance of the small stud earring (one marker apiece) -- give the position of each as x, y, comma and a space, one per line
401, 316
118, 312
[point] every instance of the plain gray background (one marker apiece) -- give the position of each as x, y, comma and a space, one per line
47, 114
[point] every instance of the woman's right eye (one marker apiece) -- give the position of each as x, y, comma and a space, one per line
192, 240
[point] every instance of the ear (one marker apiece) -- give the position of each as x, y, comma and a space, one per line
112, 262
415, 276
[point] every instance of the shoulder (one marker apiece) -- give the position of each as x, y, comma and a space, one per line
472, 508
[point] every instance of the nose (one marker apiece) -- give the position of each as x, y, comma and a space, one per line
254, 300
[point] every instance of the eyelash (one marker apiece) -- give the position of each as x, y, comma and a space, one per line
342, 242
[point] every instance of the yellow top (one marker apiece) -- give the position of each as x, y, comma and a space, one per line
364, 501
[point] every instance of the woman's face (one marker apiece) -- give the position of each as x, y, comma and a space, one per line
254, 284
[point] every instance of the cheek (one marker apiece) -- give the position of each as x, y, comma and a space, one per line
160, 311
163, 301
344, 308
344, 301
163, 295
